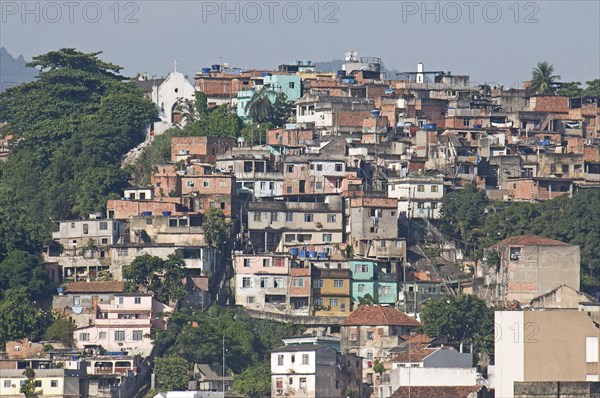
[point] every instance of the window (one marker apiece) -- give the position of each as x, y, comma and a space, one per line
552, 168
53, 383
361, 268
290, 169
565, 168
273, 216
205, 184
278, 282
257, 216
318, 283
303, 383
38, 383
383, 290
172, 222
327, 237
246, 282
189, 183
279, 361
420, 188
331, 217
361, 288
369, 336
246, 262
318, 185
264, 281
591, 349
304, 359
298, 282
466, 122
434, 188
86, 229
104, 241
7, 384
183, 222
432, 289
289, 216
250, 300
76, 301
319, 167
102, 336
266, 262
333, 302
339, 167
338, 283
343, 307
278, 262
119, 335
382, 243
291, 381
308, 217
318, 301
84, 337
137, 335
370, 354
103, 225
289, 189
292, 85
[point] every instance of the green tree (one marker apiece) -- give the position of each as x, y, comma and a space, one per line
171, 373
18, 318
570, 89
463, 214
281, 110
254, 381
164, 278
215, 227
61, 330
543, 79
28, 386
20, 268
259, 108
466, 319
592, 89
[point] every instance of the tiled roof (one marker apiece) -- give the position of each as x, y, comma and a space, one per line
436, 392
418, 353
377, 315
418, 339
530, 240
95, 287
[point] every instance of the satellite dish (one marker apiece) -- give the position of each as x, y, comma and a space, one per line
348, 55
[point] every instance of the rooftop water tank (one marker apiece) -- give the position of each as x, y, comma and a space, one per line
205, 71
341, 73
312, 254
216, 67
375, 112
429, 126
306, 63
297, 63
146, 213
294, 251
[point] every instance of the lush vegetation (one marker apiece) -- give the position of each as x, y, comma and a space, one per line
465, 319
475, 223
198, 337
573, 89
543, 80
215, 227
153, 274
171, 373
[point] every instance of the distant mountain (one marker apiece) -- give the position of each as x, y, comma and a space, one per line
13, 71
336, 64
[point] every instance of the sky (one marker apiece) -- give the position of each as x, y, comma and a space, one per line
495, 42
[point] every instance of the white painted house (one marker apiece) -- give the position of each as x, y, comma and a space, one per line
419, 196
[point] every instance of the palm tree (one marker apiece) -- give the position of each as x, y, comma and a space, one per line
259, 108
542, 79
187, 110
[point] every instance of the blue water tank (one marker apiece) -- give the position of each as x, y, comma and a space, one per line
303, 253
341, 73
216, 67
429, 126
312, 254
297, 63
477, 126
266, 74
166, 213
306, 63
375, 112
205, 71
348, 81
323, 255
294, 251
146, 213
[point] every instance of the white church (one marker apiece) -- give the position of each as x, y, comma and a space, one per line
166, 93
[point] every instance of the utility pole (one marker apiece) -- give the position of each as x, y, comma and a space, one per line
223, 366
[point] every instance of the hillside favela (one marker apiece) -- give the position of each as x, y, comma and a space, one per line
298, 231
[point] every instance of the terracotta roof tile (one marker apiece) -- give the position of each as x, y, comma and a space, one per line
418, 353
530, 240
377, 315
95, 287
437, 392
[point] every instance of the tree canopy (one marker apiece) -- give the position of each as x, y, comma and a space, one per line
171, 373
215, 227
466, 319
543, 79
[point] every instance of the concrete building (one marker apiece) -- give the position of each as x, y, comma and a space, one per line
205, 149
544, 346
58, 383
274, 85
530, 266
124, 324
419, 195
370, 331
314, 223
305, 370
331, 291
377, 279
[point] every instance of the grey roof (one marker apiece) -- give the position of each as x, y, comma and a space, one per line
302, 347
146, 85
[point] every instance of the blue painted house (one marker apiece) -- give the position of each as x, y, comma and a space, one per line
290, 85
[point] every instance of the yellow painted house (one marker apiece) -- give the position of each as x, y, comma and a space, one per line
331, 291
